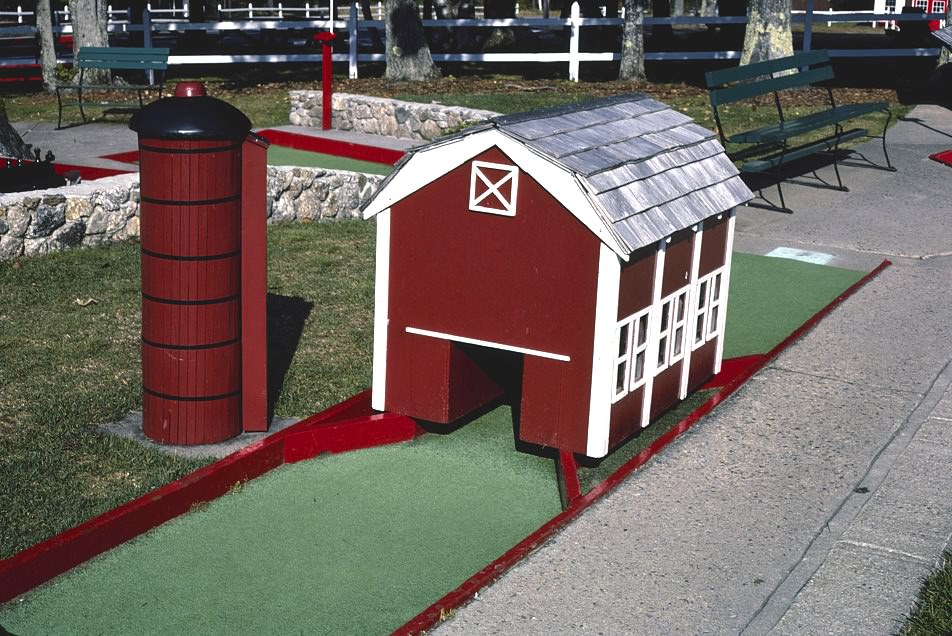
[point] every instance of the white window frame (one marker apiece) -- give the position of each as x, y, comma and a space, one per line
630, 343
708, 308
671, 348
492, 192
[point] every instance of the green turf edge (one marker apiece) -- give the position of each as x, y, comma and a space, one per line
281, 156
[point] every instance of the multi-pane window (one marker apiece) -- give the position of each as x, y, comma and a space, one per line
671, 327
710, 301
631, 335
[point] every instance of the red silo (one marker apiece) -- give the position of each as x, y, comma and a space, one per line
190, 149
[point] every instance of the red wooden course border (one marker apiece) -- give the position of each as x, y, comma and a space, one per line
350, 425
332, 146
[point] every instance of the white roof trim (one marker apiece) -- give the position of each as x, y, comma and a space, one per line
431, 162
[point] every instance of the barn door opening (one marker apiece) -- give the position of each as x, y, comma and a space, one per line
503, 367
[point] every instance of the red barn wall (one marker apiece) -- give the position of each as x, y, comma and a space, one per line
527, 281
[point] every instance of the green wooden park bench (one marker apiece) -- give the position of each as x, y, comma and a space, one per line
151, 61
768, 148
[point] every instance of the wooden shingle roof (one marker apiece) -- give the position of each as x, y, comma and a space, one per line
646, 170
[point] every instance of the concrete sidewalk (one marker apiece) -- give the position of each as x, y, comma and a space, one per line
817, 498
91, 144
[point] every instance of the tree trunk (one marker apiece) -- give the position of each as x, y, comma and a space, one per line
11, 145
708, 8
768, 35
88, 18
633, 42
408, 54
44, 30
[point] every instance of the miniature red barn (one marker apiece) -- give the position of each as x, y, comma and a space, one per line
577, 257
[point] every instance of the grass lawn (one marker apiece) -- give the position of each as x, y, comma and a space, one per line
69, 351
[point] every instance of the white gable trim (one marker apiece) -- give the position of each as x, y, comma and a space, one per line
604, 350
431, 162
378, 392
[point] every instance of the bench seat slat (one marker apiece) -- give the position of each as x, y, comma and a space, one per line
807, 123
768, 67
764, 86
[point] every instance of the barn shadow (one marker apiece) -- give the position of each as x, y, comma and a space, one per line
286, 318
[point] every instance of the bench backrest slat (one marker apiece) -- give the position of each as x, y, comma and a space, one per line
123, 58
753, 89
768, 67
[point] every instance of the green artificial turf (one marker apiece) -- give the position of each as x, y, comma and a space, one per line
281, 156
771, 297
355, 543
346, 544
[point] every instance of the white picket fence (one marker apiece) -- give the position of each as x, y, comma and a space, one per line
161, 22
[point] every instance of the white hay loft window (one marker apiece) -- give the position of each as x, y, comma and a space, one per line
671, 328
631, 334
493, 188
707, 312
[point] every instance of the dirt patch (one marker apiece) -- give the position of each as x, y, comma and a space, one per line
493, 85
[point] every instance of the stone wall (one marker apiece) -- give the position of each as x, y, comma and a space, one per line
381, 116
104, 210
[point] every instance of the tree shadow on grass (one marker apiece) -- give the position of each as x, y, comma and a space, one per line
286, 318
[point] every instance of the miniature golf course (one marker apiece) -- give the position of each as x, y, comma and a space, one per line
362, 542
286, 149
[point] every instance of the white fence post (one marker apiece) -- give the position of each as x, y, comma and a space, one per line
573, 42
352, 42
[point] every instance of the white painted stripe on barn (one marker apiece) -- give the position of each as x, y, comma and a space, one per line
725, 288
817, 258
651, 357
603, 356
689, 318
486, 343
378, 391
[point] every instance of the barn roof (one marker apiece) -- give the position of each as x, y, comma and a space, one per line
646, 170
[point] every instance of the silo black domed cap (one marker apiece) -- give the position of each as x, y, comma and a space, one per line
190, 114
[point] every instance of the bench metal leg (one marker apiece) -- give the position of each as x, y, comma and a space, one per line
59, 103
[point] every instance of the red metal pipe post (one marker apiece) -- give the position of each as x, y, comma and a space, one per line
326, 38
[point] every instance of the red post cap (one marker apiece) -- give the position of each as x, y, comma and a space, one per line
324, 36
190, 89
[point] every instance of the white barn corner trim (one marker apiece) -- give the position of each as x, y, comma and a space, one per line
378, 391
603, 358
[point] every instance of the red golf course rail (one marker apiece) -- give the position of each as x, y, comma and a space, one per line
334, 147
350, 425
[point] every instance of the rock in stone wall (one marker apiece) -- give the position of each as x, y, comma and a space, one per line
380, 116
104, 210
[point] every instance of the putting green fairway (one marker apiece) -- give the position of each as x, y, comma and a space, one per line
771, 297
357, 543
360, 543
281, 156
